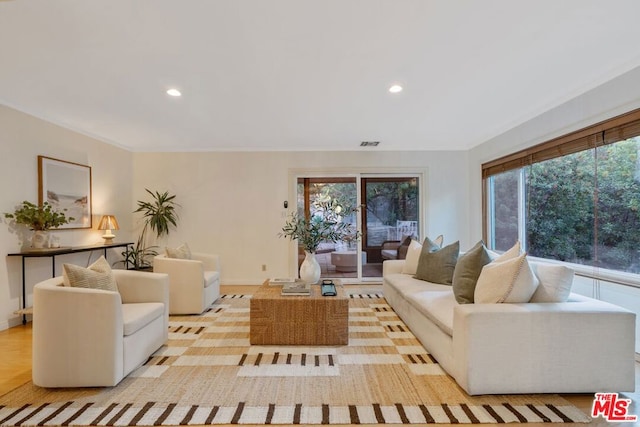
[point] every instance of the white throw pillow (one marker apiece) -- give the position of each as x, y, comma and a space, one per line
511, 253
181, 252
555, 282
97, 276
413, 255
510, 281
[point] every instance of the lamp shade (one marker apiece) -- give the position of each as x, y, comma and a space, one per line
108, 222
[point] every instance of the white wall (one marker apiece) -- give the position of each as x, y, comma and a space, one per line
232, 203
22, 139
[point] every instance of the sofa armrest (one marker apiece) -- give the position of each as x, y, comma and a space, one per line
188, 274
392, 266
77, 333
140, 286
543, 347
209, 262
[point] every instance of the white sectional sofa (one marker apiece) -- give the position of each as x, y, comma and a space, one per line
579, 346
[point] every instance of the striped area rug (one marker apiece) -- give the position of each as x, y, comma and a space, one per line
209, 374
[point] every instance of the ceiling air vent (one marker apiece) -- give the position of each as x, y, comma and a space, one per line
369, 143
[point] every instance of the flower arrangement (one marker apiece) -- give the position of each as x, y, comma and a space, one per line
325, 225
39, 218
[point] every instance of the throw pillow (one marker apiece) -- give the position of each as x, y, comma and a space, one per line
438, 266
411, 260
467, 271
181, 252
413, 254
511, 253
97, 276
555, 282
507, 281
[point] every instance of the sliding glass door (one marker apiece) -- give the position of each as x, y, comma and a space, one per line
389, 216
336, 259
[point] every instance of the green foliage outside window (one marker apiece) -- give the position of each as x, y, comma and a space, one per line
582, 208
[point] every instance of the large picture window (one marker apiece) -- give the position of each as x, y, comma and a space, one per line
575, 199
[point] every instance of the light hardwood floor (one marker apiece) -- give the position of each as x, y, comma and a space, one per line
15, 362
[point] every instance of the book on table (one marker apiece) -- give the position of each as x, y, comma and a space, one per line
296, 288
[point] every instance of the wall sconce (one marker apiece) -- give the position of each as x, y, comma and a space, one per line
108, 222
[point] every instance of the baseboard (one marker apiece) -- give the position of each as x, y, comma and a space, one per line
10, 323
243, 282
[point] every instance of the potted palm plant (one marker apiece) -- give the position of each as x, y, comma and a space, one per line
159, 216
40, 219
324, 225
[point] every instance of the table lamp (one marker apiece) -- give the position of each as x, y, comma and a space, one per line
108, 222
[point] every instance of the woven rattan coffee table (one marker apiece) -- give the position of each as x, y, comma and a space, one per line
298, 320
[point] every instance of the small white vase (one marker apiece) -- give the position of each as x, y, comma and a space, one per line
310, 269
40, 239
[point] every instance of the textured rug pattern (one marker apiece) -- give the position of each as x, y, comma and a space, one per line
209, 374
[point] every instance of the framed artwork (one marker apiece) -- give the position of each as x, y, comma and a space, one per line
66, 185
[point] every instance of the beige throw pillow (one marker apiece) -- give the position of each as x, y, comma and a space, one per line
555, 282
97, 276
467, 271
438, 266
511, 253
413, 255
181, 252
510, 281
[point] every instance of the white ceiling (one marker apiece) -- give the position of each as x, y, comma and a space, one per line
307, 75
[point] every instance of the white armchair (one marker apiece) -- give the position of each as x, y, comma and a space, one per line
94, 338
194, 284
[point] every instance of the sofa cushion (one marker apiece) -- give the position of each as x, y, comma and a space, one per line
97, 276
181, 252
510, 281
406, 285
555, 282
210, 277
467, 271
438, 266
136, 316
437, 306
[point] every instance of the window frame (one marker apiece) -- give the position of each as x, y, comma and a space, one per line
616, 129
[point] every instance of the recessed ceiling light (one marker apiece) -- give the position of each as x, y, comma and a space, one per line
174, 92
395, 89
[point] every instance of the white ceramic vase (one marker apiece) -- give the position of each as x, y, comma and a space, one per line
310, 269
40, 239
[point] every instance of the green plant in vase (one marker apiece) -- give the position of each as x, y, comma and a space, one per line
159, 216
326, 224
40, 218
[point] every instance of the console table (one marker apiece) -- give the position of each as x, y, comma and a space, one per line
52, 253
